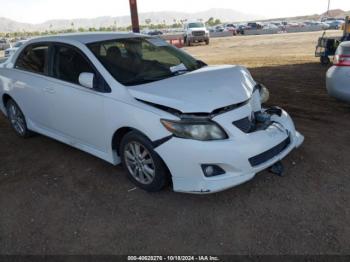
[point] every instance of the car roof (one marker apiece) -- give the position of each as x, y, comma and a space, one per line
86, 38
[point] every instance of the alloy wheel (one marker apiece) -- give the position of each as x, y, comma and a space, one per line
139, 162
17, 119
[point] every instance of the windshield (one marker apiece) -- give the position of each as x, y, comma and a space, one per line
135, 61
195, 25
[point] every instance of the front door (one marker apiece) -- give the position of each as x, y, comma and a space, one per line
77, 112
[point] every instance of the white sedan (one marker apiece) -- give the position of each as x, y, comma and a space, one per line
129, 98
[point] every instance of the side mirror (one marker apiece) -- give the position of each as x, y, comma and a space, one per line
87, 80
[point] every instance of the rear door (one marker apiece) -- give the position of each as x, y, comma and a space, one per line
30, 81
77, 111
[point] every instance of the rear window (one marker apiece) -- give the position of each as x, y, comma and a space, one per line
33, 59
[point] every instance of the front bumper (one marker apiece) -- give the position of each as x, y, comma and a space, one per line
198, 38
185, 157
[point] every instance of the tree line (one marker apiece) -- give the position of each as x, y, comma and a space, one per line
148, 24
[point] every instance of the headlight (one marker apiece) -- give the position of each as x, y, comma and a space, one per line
264, 93
203, 130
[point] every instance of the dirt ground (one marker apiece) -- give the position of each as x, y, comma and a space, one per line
57, 200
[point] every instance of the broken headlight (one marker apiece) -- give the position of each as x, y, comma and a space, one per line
203, 130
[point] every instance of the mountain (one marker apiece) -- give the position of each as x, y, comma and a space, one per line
336, 13
227, 15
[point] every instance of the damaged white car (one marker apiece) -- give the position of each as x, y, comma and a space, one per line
166, 116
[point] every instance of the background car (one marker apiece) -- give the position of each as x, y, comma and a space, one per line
271, 26
4, 44
155, 32
320, 25
255, 25
195, 32
10, 51
219, 28
335, 24
231, 28
338, 76
241, 28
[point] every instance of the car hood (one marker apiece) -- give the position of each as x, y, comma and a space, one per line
200, 91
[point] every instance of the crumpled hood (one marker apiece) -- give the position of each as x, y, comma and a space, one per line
200, 91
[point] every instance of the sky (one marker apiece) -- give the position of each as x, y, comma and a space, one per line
38, 11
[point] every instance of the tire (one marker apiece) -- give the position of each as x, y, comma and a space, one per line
17, 119
188, 42
325, 60
148, 172
207, 42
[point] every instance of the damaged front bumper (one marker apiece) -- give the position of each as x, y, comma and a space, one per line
241, 156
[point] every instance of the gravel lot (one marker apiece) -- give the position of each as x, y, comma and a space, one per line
57, 200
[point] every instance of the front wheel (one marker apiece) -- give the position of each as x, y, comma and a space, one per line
188, 42
17, 119
144, 166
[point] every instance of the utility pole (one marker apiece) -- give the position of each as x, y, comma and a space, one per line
134, 16
329, 6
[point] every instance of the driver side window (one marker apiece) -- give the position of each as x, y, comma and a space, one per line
68, 64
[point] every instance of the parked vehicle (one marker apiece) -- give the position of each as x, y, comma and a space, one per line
230, 28
255, 25
140, 101
335, 24
294, 25
155, 32
196, 32
338, 76
4, 44
271, 27
320, 25
241, 28
219, 28
16, 46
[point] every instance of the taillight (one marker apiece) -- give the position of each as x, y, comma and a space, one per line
341, 60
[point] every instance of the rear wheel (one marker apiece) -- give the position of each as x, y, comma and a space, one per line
17, 119
207, 42
144, 166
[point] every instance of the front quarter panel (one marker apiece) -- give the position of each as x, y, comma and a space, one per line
134, 115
